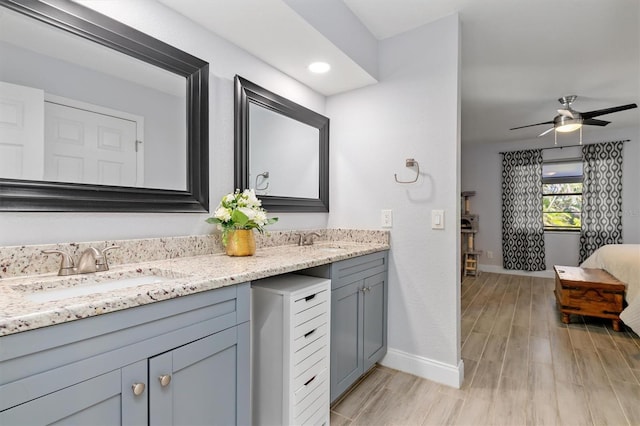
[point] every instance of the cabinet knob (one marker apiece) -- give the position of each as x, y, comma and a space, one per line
165, 379
138, 389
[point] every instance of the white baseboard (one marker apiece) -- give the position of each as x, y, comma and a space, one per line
447, 374
500, 270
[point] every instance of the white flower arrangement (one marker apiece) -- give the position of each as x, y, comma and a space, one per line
240, 210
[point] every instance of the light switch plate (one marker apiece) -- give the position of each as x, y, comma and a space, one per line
437, 219
387, 218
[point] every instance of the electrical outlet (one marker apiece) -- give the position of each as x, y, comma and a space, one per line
387, 218
490, 254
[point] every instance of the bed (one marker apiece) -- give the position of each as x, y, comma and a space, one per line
623, 262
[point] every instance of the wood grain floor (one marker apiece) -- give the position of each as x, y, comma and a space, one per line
523, 366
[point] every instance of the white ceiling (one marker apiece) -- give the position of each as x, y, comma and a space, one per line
518, 56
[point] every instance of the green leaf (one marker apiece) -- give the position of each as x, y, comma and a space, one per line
239, 218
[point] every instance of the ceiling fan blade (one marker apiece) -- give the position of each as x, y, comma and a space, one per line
531, 125
545, 132
566, 113
595, 122
598, 112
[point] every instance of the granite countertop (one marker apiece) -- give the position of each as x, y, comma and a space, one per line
183, 276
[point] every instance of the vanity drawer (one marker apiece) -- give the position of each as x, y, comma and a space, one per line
312, 386
309, 314
305, 376
303, 343
309, 326
318, 419
311, 417
313, 412
308, 363
308, 394
309, 300
306, 407
309, 346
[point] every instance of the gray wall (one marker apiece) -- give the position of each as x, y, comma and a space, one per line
411, 113
481, 172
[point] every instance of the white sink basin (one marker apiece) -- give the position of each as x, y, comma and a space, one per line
332, 249
324, 248
68, 287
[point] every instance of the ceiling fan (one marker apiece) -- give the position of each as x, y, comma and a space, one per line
569, 119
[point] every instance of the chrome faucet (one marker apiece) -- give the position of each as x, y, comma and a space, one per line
91, 260
306, 239
87, 261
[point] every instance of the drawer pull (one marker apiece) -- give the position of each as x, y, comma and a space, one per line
165, 379
310, 380
310, 333
138, 388
306, 299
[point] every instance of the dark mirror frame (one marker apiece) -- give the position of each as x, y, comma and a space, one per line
247, 92
24, 195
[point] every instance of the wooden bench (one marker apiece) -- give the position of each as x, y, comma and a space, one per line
589, 292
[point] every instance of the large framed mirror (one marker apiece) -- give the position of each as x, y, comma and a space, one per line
97, 116
281, 150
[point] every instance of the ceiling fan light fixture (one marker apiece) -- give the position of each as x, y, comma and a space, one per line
564, 124
567, 128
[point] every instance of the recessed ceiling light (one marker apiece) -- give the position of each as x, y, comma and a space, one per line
319, 67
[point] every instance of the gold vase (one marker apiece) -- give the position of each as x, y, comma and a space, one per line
241, 242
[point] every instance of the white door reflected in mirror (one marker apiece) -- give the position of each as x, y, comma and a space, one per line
90, 147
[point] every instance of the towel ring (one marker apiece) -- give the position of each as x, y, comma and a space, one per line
264, 176
410, 162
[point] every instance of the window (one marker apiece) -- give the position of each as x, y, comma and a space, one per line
562, 195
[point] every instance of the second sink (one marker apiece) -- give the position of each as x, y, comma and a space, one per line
60, 289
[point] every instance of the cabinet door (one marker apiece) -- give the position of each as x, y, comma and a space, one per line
375, 319
135, 411
346, 337
196, 383
107, 399
96, 401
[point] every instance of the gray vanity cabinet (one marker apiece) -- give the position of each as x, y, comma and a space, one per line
358, 329
359, 291
181, 361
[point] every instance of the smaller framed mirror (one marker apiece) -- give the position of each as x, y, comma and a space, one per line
281, 150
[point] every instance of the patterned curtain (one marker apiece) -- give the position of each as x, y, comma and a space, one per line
601, 197
522, 227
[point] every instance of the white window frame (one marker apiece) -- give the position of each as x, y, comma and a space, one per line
560, 180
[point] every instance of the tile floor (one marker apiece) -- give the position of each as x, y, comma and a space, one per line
523, 366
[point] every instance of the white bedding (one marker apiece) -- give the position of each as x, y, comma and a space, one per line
623, 262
